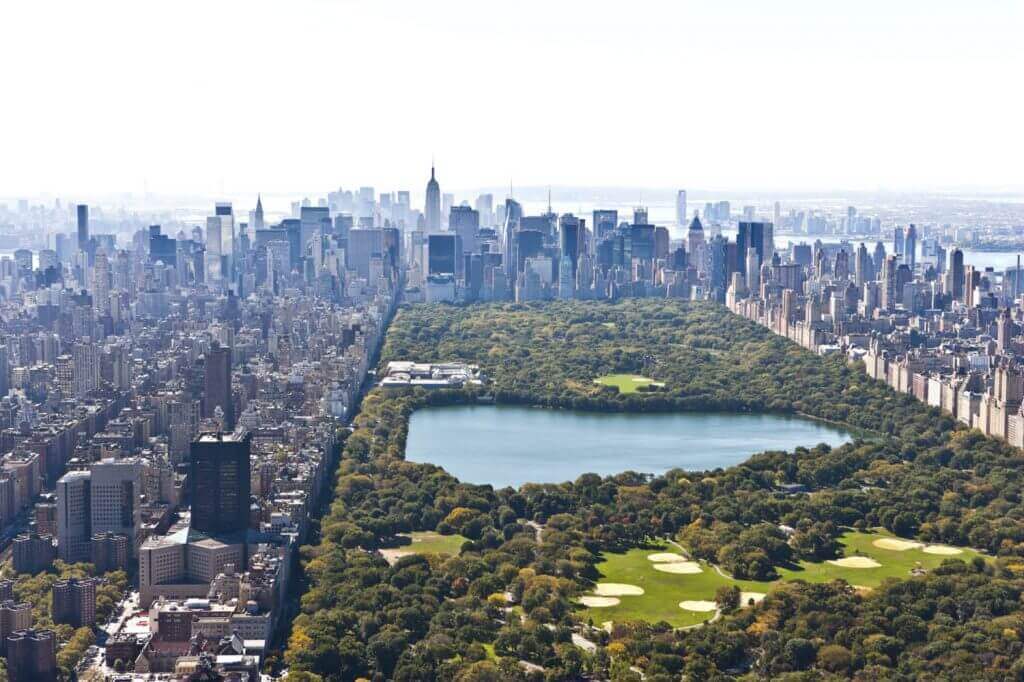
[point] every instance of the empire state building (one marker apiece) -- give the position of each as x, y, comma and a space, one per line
432, 210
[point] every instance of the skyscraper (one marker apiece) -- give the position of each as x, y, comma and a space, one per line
218, 482
681, 208
570, 229
695, 243
432, 207
749, 236
116, 486
74, 516
898, 246
83, 227
257, 218
218, 385
465, 222
910, 246
956, 275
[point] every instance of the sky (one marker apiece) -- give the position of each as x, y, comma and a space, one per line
224, 96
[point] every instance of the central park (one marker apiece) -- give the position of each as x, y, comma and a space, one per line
871, 532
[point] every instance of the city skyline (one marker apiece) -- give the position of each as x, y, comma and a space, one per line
795, 96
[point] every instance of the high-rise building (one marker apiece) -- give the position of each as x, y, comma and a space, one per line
33, 553
432, 207
749, 236
32, 656
570, 232
910, 246
681, 208
83, 227
101, 283
257, 216
74, 602
605, 222
14, 616
218, 482
465, 222
74, 516
109, 552
442, 252
695, 243
218, 385
485, 207
956, 275
898, 246
116, 486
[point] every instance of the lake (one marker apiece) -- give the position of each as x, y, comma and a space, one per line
508, 445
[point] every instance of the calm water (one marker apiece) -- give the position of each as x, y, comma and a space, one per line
507, 445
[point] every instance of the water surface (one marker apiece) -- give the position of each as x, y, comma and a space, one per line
510, 445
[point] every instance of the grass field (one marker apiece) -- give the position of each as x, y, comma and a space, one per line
626, 383
664, 591
424, 542
429, 542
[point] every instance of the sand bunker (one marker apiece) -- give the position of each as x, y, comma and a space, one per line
855, 562
663, 557
942, 549
896, 545
617, 590
599, 602
747, 597
861, 588
640, 379
698, 605
682, 567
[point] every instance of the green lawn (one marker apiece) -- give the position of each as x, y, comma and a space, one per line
429, 542
895, 564
626, 383
664, 591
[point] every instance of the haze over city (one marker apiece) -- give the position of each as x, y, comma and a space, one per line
238, 97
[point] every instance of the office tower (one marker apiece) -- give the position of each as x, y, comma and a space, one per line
640, 215
570, 231
777, 215
101, 283
14, 616
85, 369
313, 220
841, 268
513, 216
605, 222
442, 251
889, 288
218, 482
695, 243
109, 552
910, 246
528, 244
485, 207
753, 271
83, 227
465, 222
749, 236
116, 485
32, 656
681, 208
74, 602
862, 266
898, 243
33, 553
257, 216
566, 278
432, 207
878, 259
218, 385
225, 214
74, 516
955, 275
363, 245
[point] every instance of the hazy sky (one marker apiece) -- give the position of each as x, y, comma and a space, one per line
304, 95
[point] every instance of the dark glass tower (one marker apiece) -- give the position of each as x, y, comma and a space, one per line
218, 385
218, 482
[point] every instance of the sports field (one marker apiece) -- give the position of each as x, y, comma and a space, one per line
425, 542
682, 592
626, 383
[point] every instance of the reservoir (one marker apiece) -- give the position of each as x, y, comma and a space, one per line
506, 445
